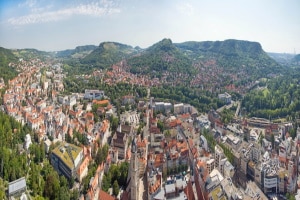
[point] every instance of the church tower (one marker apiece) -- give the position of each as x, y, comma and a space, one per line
134, 169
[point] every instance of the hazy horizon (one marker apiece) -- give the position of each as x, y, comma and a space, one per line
59, 25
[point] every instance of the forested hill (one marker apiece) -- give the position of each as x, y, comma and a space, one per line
229, 53
282, 58
228, 47
296, 59
28, 54
78, 52
107, 54
6, 56
163, 56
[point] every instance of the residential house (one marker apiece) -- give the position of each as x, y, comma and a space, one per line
120, 140
82, 170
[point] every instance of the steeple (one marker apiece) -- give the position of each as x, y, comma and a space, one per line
134, 182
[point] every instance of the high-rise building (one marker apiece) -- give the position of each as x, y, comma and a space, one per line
219, 154
66, 159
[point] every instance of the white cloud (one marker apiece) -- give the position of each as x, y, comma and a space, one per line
38, 15
28, 3
185, 8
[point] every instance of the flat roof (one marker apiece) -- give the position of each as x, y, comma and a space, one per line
160, 195
61, 152
216, 192
180, 183
217, 173
91, 90
170, 188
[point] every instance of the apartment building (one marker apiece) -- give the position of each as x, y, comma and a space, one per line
66, 158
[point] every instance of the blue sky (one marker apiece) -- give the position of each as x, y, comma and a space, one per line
64, 24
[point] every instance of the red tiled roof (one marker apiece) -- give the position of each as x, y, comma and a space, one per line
101, 102
105, 196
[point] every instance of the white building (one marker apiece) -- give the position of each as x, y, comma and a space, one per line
27, 142
162, 106
47, 144
219, 155
168, 107
67, 100
225, 97
203, 142
93, 94
72, 101
178, 108
210, 165
159, 106
228, 169
187, 108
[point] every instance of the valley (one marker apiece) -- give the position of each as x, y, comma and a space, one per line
120, 122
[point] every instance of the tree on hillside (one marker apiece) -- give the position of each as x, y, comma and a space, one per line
116, 188
52, 186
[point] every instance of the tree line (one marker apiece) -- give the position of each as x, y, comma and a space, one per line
202, 100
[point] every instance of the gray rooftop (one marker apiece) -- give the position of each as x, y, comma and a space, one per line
170, 188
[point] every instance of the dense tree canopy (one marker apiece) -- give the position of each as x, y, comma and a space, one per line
202, 100
280, 98
16, 162
6, 56
116, 176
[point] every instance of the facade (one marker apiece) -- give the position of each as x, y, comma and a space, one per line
93, 94
203, 142
119, 142
154, 180
182, 108
82, 170
210, 165
128, 100
159, 106
66, 158
178, 108
219, 154
225, 97
228, 169
162, 106
187, 108
17, 187
270, 183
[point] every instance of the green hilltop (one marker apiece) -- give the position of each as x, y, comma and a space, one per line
229, 53
28, 54
78, 52
7, 56
296, 59
107, 54
170, 61
181, 62
163, 56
